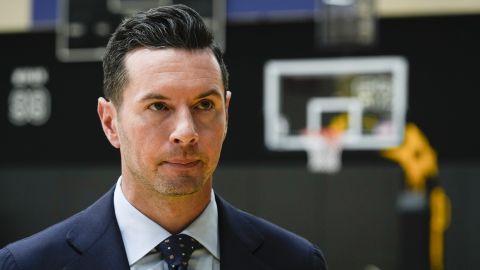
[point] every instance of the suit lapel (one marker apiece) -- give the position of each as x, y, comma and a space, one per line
97, 238
238, 239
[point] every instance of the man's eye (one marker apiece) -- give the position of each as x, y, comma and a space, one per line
158, 107
205, 105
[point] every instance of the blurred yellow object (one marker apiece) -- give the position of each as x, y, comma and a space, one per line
440, 215
417, 158
339, 123
419, 162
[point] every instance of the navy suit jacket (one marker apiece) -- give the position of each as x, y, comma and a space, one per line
91, 240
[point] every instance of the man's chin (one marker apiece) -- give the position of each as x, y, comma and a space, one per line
180, 186
179, 193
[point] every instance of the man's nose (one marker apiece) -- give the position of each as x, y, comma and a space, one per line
184, 132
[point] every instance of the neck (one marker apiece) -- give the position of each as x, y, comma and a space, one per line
173, 213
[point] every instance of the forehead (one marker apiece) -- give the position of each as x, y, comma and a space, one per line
171, 72
172, 62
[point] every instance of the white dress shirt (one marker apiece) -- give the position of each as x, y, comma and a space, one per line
141, 235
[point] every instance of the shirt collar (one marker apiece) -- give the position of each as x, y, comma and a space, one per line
140, 234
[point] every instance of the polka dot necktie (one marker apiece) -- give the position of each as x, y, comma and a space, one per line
177, 249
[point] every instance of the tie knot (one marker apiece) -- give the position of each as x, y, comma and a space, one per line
177, 249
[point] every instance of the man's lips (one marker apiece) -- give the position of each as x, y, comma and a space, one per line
182, 163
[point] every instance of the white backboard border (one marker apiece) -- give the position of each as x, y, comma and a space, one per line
277, 137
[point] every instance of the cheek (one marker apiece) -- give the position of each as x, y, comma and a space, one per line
213, 136
153, 137
142, 138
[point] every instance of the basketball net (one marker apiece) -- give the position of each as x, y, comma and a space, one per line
324, 150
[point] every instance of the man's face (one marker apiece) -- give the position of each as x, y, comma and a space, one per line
172, 122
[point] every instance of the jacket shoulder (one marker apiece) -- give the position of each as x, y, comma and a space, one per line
273, 245
62, 243
286, 244
7, 262
35, 251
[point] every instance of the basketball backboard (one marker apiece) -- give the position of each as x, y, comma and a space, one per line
367, 95
84, 26
133, 6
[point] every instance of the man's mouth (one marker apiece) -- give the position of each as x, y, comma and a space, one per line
182, 163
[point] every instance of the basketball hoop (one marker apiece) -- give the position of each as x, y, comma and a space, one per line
324, 150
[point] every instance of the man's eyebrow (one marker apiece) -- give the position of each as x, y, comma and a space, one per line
153, 96
212, 92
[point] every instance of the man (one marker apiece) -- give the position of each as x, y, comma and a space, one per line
166, 110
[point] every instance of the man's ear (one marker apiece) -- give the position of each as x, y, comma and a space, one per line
228, 96
108, 118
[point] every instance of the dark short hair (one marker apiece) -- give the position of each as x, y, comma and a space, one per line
176, 26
